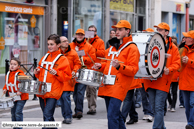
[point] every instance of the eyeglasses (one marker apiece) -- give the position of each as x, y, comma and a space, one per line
65, 41
92, 30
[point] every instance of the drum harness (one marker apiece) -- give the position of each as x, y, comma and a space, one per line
51, 67
110, 79
12, 93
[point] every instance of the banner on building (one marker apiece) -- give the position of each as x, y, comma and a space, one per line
23, 9
122, 5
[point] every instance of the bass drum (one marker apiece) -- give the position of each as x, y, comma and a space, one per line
152, 54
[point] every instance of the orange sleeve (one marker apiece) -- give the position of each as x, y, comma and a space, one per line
92, 54
131, 67
76, 62
63, 70
100, 51
176, 61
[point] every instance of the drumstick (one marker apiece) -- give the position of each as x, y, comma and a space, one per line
46, 69
90, 58
108, 59
11, 96
2, 95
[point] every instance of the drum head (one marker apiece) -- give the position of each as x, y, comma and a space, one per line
156, 60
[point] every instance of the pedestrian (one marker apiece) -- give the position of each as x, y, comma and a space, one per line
181, 100
147, 108
68, 86
80, 44
11, 85
172, 95
58, 72
91, 91
121, 49
186, 83
112, 35
129, 103
158, 89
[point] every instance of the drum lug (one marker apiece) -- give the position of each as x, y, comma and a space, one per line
144, 66
146, 43
144, 55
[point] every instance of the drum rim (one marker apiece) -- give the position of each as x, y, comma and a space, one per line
146, 51
79, 70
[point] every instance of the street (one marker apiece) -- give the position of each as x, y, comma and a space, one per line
173, 120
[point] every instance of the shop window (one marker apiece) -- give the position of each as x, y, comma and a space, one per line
191, 24
22, 37
86, 13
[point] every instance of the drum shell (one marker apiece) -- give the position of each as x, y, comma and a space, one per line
89, 77
33, 87
6, 103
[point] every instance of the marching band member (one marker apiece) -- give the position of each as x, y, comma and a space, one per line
98, 44
68, 87
80, 44
158, 89
186, 77
121, 49
58, 71
12, 86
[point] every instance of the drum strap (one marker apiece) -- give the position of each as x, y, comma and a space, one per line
10, 84
116, 53
49, 63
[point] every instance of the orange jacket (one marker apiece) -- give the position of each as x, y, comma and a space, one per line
175, 77
126, 72
63, 74
136, 83
173, 64
88, 48
186, 78
75, 64
24, 96
98, 44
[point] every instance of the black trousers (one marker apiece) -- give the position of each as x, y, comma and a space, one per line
172, 95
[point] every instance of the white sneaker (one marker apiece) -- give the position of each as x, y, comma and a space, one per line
172, 110
149, 118
145, 117
169, 107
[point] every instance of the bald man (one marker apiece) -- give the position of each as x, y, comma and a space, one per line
68, 86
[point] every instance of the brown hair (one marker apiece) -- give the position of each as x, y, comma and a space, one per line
93, 26
17, 60
174, 41
55, 38
174, 37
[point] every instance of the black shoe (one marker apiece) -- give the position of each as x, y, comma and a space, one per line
92, 112
132, 121
79, 115
74, 116
189, 127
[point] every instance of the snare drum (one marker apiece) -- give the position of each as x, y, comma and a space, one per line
6, 103
152, 54
34, 87
89, 77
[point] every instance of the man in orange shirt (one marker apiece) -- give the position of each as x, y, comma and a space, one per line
68, 87
158, 89
98, 44
80, 44
119, 75
186, 78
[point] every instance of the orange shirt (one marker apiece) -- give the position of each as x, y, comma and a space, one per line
75, 64
24, 96
173, 64
63, 74
98, 44
88, 48
186, 77
124, 75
